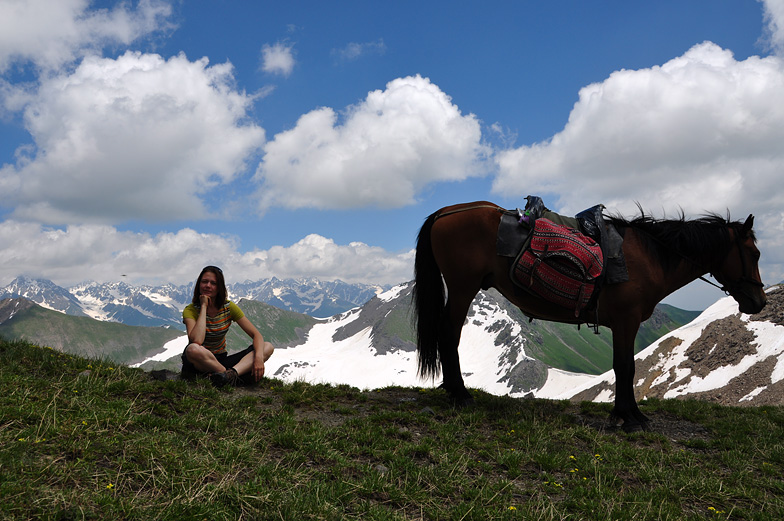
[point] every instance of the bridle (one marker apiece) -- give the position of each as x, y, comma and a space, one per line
737, 286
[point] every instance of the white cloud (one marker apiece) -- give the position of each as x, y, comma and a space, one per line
278, 59
317, 256
102, 253
774, 18
138, 137
384, 152
703, 131
53, 33
354, 51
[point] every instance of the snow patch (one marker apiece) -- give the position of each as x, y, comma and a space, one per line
170, 349
753, 393
392, 294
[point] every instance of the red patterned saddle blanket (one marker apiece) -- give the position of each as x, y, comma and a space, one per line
560, 264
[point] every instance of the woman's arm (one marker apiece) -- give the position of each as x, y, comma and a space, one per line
197, 329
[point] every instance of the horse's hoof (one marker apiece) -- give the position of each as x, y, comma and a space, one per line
467, 401
630, 427
462, 399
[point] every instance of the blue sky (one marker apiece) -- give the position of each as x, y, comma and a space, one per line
142, 140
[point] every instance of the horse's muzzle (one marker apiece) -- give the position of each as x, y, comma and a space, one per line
751, 305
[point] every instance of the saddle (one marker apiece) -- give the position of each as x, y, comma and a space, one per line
579, 254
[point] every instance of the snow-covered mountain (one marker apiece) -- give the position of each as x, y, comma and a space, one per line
372, 347
162, 305
723, 356
133, 306
45, 293
311, 296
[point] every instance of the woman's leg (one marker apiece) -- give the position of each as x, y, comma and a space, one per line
246, 362
203, 360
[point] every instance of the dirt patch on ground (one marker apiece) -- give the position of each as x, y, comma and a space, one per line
334, 414
675, 429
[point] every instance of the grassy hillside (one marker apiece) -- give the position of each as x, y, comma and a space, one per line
84, 440
85, 336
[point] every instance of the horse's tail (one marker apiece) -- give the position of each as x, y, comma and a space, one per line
428, 300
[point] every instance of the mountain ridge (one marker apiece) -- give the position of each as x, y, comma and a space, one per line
162, 305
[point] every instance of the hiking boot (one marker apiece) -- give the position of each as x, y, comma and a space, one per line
228, 377
218, 379
232, 378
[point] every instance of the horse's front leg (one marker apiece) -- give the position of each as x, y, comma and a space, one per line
449, 339
626, 407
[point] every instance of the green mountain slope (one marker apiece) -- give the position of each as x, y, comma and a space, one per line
567, 347
82, 336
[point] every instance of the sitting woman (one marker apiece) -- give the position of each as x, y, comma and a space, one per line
207, 319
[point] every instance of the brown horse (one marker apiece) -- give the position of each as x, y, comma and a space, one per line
459, 243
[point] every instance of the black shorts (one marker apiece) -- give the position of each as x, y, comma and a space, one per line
226, 360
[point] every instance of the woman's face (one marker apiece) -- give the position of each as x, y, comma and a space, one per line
209, 284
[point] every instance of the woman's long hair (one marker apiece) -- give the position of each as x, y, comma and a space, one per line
220, 297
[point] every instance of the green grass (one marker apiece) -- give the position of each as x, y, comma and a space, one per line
84, 439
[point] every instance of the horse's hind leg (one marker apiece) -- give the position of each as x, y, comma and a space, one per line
449, 340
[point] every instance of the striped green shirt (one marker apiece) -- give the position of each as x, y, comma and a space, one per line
217, 326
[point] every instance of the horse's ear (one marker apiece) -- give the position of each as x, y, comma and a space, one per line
748, 225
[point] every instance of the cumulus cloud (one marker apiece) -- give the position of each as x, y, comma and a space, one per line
317, 256
703, 131
774, 18
384, 151
138, 137
278, 59
50, 34
102, 253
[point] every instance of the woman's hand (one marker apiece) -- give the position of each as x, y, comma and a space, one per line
204, 300
258, 367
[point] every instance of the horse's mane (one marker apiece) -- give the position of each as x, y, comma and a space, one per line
705, 240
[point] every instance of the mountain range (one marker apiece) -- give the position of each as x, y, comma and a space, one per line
162, 305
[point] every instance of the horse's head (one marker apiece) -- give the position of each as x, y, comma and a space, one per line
739, 272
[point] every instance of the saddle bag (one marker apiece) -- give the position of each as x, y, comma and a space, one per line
560, 264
